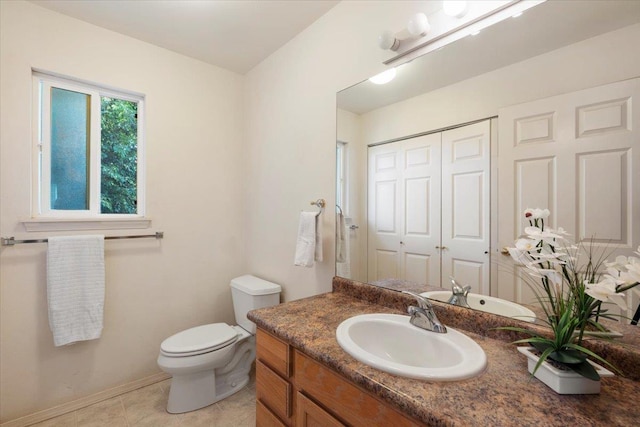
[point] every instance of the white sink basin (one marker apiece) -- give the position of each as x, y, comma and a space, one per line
488, 304
390, 343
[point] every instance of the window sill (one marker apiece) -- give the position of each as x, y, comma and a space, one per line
76, 224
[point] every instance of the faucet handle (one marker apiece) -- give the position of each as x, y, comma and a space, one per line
422, 301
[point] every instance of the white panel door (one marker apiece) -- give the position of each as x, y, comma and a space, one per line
383, 219
421, 209
577, 154
404, 210
466, 156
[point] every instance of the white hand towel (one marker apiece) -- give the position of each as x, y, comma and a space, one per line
343, 268
318, 249
306, 242
341, 238
75, 288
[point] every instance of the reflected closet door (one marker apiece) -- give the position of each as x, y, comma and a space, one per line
404, 210
466, 157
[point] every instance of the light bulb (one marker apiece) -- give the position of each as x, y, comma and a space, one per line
387, 40
418, 25
455, 8
384, 77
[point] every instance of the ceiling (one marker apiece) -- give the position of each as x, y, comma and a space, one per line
235, 35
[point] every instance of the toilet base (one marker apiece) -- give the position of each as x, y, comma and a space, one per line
190, 394
196, 390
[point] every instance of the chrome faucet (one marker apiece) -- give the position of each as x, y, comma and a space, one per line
423, 316
459, 294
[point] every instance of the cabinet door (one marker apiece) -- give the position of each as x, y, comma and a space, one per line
265, 418
311, 415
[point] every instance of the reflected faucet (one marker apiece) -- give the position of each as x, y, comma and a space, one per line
459, 294
423, 316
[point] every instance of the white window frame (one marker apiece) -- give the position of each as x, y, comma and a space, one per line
41, 190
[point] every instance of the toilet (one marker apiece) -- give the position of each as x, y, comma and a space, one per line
211, 362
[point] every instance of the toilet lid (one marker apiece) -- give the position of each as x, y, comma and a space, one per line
206, 337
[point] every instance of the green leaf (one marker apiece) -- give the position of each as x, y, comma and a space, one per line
585, 369
568, 357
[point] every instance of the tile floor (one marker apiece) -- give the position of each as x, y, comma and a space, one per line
146, 407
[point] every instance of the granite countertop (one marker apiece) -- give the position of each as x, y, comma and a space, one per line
503, 395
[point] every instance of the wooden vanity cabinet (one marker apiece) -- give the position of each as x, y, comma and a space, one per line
296, 391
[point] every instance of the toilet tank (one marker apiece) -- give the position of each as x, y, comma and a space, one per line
249, 293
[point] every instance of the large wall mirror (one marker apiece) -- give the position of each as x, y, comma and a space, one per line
436, 166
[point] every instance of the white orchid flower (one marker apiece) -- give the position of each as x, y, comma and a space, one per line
532, 231
605, 290
547, 236
519, 256
632, 275
554, 276
619, 263
615, 279
526, 244
541, 213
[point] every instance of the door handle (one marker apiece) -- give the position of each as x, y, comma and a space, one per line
442, 247
505, 251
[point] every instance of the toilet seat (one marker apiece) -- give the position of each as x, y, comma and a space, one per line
199, 340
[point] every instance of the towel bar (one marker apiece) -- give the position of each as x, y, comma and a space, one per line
10, 241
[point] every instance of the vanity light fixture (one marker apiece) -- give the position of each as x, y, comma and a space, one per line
455, 8
482, 15
418, 26
383, 77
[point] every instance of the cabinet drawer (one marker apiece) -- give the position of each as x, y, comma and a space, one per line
274, 353
264, 417
346, 400
308, 414
273, 391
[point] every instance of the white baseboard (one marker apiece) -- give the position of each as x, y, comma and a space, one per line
85, 401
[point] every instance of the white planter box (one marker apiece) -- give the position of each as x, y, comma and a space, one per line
563, 382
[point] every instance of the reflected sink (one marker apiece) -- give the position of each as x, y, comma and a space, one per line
390, 343
488, 304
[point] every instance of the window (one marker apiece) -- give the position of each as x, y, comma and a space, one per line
89, 146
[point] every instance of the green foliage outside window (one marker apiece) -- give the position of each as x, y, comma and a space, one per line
119, 165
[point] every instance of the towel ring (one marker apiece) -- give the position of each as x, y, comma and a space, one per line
321, 204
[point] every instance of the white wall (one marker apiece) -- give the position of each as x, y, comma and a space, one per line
291, 132
153, 289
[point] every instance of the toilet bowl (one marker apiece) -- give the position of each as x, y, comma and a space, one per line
210, 362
